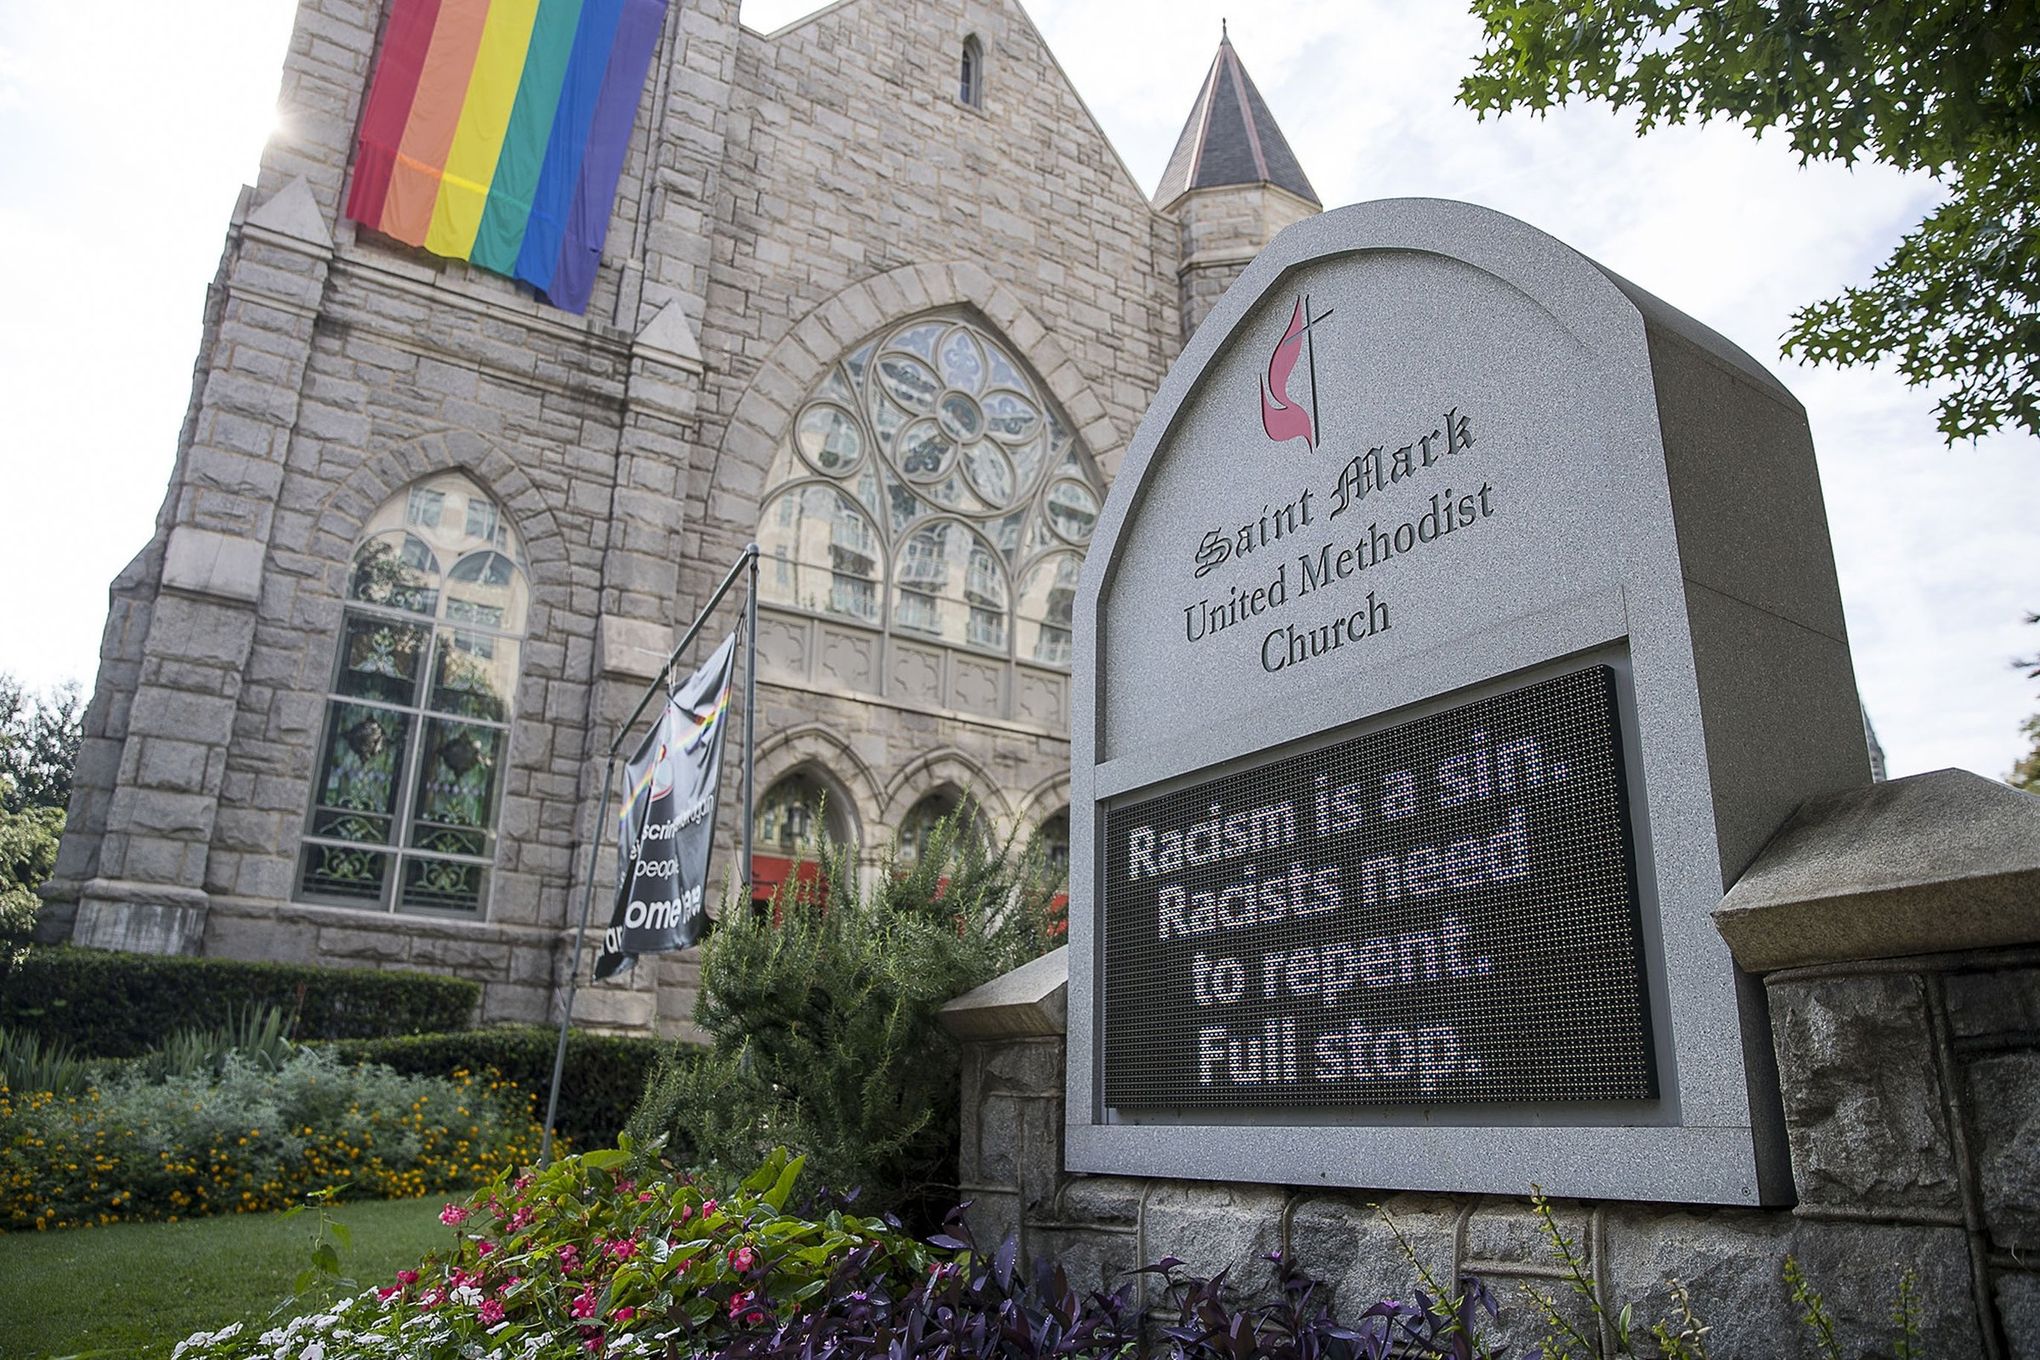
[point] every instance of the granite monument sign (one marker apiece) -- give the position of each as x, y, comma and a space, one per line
1462, 622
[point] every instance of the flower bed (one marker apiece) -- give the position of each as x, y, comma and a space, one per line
581, 1259
251, 1139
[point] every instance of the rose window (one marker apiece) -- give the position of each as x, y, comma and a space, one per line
928, 488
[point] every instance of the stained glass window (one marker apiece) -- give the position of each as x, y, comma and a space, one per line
1048, 594
928, 487
411, 760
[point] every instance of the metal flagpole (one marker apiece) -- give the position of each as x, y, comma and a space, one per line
749, 558
552, 1102
750, 721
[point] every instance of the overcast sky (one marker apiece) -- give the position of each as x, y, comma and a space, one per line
126, 128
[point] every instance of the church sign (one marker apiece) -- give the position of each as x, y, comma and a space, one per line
1462, 622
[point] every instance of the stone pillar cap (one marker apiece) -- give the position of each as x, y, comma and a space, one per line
1031, 1002
1928, 864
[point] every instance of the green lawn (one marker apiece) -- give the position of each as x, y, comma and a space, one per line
137, 1289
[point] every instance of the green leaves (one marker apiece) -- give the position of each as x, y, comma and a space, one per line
39, 739
1949, 87
824, 1017
1957, 304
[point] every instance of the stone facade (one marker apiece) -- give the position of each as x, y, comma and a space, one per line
785, 197
1223, 230
1909, 1083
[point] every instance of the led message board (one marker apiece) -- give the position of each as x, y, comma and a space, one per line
1445, 910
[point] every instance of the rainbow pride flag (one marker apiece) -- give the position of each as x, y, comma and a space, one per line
495, 132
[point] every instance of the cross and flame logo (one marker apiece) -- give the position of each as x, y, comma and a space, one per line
1282, 416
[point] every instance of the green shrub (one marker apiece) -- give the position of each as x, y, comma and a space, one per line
249, 1140
605, 1074
109, 1005
824, 1021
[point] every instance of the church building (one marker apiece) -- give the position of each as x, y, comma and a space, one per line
497, 379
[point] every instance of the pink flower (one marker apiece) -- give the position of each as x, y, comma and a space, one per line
570, 1257
625, 1187
453, 1215
432, 1298
742, 1259
754, 1317
645, 1197
739, 1301
593, 1345
511, 1284
520, 1220
407, 1277
622, 1249
625, 1314
583, 1305
484, 1247
491, 1312
521, 1184
707, 1207
387, 1292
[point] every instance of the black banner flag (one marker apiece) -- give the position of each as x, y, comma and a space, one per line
667, 821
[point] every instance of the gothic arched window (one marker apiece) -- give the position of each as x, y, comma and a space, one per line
410, 769
928, 813
1055, 844
927, 488
971, 88
798, 809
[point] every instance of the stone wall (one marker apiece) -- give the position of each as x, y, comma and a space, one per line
1221, 231
1910, 1086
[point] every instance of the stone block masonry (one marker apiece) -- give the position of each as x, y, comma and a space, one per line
1909, 1083
784, 196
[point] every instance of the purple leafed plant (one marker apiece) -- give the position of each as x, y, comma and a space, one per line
984, 1306
1298, 1323
975, 1307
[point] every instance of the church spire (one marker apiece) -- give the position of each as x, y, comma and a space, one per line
1231, 138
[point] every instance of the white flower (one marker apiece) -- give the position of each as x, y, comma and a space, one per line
314, 1350
199, 1339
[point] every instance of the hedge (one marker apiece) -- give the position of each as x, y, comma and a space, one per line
110, 1005
605, 1073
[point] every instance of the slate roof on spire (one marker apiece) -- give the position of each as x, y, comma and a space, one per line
1231, 138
